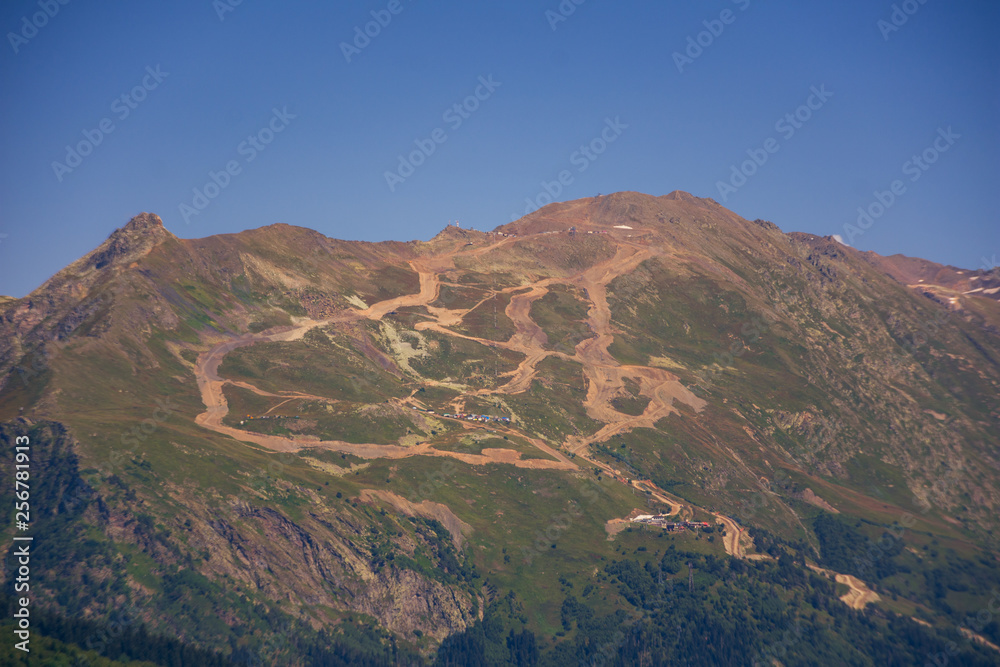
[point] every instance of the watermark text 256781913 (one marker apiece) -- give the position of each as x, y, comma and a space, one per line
21, 552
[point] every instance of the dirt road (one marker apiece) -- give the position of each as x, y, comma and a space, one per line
605, 376
732, 541
216, 407
859, 594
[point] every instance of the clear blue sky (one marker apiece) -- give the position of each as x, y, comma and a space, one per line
326, 168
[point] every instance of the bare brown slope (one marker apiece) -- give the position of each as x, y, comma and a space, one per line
144, 278
973, 294
910, 270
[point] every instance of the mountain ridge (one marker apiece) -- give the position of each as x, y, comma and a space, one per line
146, 230
276, 396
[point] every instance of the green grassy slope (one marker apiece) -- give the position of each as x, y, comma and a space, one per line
850, 422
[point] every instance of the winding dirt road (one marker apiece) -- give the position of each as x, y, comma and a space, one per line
216, 407
732, 539
605, 376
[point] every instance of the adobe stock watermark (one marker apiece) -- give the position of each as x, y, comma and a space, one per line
435, 480
786, 126
663, 598
118, 458
971, 628
900, 15
560, 522
37, 363
258, 482
915, 167
753, 331
899, 361
122, 106
696, 44
120, 620
455, 116
31, 25
249, 149
270, 650
223, 7
581, 158
774, 653
164, 409
825, 434
562, 13
363, 35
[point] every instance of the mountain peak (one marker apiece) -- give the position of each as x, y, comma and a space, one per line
125, 245
140, 235
680, 195
454, 233
145, 222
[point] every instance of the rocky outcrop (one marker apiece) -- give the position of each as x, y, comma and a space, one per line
69, 299
809, 496
125, 245
325, 561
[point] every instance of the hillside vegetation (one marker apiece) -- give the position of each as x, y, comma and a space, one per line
283, 448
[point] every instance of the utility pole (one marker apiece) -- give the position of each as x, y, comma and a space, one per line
690, 578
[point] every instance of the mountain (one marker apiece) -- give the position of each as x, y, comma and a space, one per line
278, 447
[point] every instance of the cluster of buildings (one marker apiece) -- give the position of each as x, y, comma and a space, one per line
249, 418
467, 416
478, 418
663, 521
